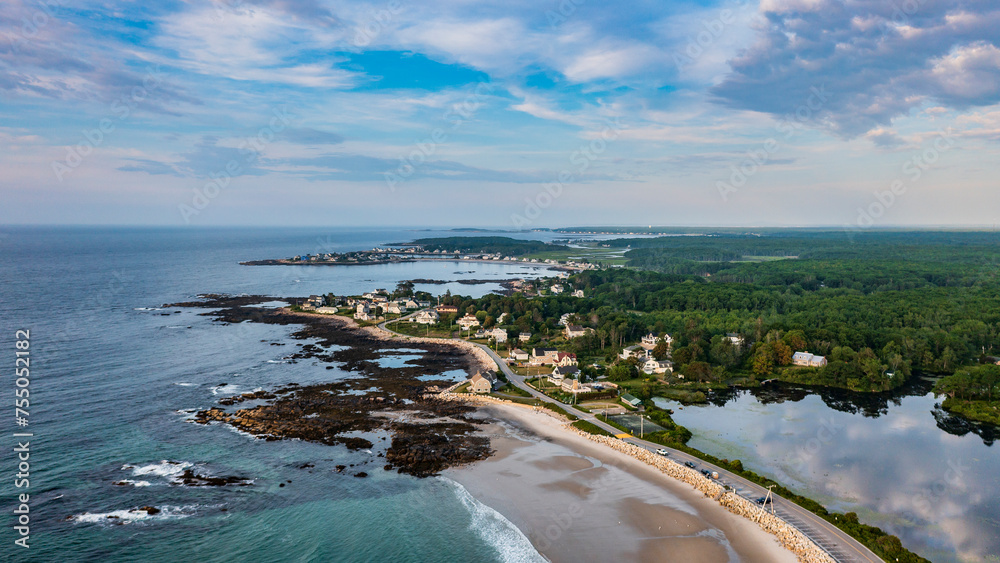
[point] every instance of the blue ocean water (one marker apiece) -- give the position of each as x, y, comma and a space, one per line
114, 377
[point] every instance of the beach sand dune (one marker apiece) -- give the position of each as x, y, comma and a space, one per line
580, 501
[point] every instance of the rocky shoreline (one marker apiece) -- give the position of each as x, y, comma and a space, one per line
401, 404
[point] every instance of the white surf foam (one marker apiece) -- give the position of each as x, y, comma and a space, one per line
227, 388
131, 515
498, 532
165, 468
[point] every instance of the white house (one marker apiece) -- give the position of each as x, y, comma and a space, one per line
557, 288
428, 317
578, 293
467, 322
498, 334
575, 331
806, 359
524, 336
326, 310
574, 386
565, 359
651, 340
519, 355
734, 339
657, 367
635, 351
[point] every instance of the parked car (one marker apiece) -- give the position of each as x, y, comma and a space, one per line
763, 500
689, 464
662, 451
706, 473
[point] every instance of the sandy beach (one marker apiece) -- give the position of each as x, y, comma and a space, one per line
577, 500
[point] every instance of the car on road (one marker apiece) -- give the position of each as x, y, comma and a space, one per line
689, 464
706, 473
764, 500
662, 451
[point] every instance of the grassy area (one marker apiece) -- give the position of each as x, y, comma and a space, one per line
511, 389
683, 396
463, 388
427, 331
980, 411
591, 428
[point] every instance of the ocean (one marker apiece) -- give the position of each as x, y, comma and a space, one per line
114, 377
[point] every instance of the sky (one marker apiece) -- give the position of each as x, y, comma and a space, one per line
520, 114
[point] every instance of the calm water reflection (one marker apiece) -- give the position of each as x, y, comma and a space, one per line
896, 459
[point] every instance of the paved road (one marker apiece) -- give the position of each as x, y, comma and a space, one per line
839, 545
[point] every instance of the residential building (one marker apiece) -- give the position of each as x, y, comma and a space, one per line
524, 336
564, 371
326, 310
428, 317
629, 399
635, 351
565, 359
557, 288
574, 386
578, 293
467, 322
447, 309
806, 359
734, 339
657, 367
498, 334
519, 355
482, 382
651, 340
575, 331
543, 356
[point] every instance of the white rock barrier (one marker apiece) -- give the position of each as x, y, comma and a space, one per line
790, 538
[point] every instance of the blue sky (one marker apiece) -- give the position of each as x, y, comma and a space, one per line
521, 114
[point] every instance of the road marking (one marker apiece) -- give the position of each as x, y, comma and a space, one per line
623, 436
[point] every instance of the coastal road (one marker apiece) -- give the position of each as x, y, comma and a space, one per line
833, 540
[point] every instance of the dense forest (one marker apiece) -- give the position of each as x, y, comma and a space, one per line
880, 306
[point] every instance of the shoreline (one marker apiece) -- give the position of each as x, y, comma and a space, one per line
576, 499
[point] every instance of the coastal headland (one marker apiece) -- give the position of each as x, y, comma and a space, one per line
431, 433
